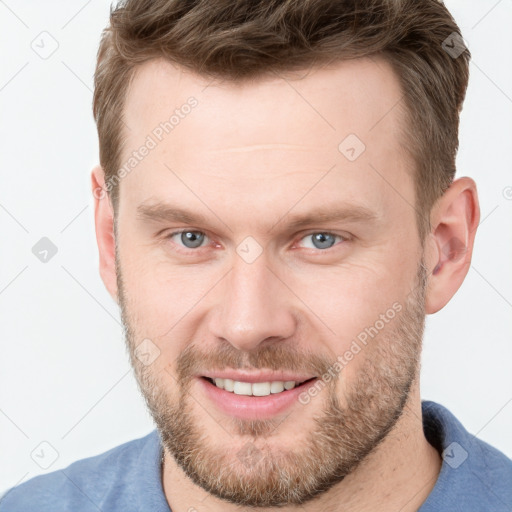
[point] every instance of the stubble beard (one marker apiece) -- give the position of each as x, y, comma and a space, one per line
250, 470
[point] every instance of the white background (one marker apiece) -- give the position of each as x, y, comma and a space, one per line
64, 374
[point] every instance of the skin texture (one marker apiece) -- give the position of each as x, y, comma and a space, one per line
249, 158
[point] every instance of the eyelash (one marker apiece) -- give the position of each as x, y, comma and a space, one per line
186, 249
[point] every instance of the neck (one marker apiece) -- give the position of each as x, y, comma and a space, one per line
398, 475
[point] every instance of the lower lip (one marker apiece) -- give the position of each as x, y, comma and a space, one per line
253, 407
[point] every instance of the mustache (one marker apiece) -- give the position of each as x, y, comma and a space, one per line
194, 361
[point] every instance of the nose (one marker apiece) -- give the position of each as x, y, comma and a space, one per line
255, 306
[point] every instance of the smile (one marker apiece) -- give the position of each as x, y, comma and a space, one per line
255, 388
253, 400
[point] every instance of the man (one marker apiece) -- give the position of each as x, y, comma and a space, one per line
276, 213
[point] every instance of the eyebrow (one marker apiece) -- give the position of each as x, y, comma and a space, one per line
162, 212
350, 213
165, 212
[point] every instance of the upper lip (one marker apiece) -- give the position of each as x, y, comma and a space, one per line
257, 376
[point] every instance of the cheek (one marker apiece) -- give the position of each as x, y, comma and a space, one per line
162, 297
354, 307
351, 297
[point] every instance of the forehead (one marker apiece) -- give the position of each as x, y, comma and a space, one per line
270, 134
348, 95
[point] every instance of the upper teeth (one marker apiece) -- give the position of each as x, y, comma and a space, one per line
254, 389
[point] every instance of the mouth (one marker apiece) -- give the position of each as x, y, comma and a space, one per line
256, 394
256, 389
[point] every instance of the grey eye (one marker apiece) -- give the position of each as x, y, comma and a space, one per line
191, 239
322, 240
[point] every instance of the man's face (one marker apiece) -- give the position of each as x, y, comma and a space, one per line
247, 289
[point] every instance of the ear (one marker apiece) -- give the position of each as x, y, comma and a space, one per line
104, 223
454, 220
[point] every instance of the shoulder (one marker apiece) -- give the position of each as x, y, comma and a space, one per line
474, 475
85, 485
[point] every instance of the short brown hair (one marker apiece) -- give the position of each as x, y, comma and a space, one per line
238, 40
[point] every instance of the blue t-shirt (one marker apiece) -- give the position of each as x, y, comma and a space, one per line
474, 476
